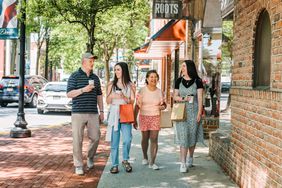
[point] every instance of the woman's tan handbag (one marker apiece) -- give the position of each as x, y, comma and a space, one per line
178, 112
165, 118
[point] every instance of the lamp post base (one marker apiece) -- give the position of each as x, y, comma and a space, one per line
18, 132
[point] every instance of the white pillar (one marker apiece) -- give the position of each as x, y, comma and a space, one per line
33, 53
8, 57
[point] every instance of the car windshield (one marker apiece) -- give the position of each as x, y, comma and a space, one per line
10, 82
56, 87
226, 84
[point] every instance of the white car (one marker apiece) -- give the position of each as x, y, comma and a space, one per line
53, 97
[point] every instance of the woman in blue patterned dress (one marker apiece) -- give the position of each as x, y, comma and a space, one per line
189, 89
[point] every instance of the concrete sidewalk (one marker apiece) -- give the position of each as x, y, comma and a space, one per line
205, 173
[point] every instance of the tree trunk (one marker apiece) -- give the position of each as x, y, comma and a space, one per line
13, 57
37, 67
107, 70
91, 30
51, 71
39, 45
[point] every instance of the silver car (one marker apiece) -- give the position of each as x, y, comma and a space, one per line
53, 97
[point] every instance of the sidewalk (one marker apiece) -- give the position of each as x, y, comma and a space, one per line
206, 173
45, 160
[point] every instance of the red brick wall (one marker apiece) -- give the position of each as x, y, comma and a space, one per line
256, 116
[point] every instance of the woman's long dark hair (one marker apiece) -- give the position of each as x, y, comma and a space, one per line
125, 77
191, 69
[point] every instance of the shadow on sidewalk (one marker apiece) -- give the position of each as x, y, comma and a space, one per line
45, 160
205, 173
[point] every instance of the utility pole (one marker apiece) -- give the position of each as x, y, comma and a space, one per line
20, 130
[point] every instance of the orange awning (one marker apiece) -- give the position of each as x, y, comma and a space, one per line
167, 39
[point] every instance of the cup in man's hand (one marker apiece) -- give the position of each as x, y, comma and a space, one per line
91, 82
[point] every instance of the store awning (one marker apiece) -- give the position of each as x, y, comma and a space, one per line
167, 39
142, 49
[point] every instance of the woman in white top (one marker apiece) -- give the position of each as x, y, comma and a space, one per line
150, 101
119, 91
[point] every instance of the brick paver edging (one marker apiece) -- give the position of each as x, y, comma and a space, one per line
45, 160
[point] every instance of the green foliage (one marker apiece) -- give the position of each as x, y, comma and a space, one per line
227, 31
226, 48
117, 23
67, 44
99, 65
39, 16
84, 12
123, 27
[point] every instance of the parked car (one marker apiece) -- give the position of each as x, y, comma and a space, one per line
9, 89
225, 87
53, 97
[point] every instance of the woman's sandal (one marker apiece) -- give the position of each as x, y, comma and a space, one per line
114, 170
127, 166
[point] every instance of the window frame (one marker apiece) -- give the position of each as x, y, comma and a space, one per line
262, 57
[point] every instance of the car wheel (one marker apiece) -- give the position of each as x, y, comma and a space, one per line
4, 104
33, 102
39, 111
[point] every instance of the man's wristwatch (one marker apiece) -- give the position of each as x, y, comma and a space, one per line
81, 90
101, 111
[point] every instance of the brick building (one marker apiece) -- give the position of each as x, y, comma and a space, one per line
252, 154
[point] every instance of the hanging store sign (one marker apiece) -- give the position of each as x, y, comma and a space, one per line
8, 19
167, 9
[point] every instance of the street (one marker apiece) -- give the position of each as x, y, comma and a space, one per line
8, 116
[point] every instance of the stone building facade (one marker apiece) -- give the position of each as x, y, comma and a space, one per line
252, 155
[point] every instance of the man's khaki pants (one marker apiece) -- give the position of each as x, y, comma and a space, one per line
79, 121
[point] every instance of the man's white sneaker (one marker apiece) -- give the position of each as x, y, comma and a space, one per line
154, 167
79, 170
90, 163
190, 162
145, 162
183, 168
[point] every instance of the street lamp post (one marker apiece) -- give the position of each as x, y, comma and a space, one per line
20, 130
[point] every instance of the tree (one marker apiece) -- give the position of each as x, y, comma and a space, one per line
226, 48
67, 48
84, 12
40, 19
124, 28
227, 41
121, 27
